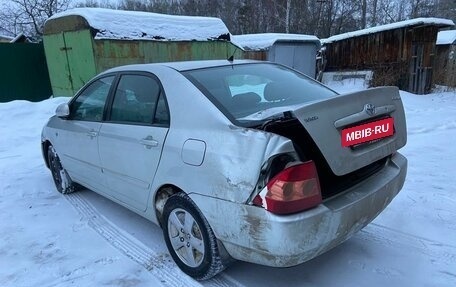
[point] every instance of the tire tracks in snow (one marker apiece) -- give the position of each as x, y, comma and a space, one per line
157, 263
162, 266
444, 253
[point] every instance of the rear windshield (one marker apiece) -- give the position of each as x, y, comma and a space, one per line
252, 92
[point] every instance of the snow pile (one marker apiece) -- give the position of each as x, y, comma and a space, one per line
134, 25
407, 23
264, 41
347, 80
446, 37
43, 241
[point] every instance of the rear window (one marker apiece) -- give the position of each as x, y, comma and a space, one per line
251, 92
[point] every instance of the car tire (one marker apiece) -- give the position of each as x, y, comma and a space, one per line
192, 244
62, 180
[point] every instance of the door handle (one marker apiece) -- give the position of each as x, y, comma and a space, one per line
92, 134
149, 142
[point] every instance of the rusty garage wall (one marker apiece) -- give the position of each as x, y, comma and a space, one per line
111, 53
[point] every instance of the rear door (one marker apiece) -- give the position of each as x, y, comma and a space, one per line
131, 140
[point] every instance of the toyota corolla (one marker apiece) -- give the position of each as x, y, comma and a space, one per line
238, 160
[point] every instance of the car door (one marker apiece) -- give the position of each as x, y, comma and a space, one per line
132, 137
77, 140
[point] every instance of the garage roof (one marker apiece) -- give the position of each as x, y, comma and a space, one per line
134, 25
264, 41
446, 37
407, 23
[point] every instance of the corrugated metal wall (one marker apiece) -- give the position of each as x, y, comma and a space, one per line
74, 57
23, 72
112, 53
299, 56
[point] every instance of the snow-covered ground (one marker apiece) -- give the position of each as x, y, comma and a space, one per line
47, 239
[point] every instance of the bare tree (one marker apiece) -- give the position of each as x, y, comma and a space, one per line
317, 17
287, 16
28, 16
364, 14
446, 9
423, 8
96, 4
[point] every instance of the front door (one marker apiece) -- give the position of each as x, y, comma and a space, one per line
80, 155
132, 138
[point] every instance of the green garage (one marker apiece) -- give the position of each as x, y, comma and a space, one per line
83, 42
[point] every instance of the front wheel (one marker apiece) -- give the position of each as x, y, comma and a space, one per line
189, 238
62, 180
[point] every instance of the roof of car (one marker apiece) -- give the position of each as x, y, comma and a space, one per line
182, 66
191, 65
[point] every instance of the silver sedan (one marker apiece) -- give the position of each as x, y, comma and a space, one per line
238, 160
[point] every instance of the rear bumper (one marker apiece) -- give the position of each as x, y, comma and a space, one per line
252, 234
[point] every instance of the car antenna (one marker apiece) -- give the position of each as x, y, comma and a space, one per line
231, 58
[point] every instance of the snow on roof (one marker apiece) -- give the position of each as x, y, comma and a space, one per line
134, 25
265, 40
392, 26
19, 38
5, 37
446, 37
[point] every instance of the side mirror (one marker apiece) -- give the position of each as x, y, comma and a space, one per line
62, 111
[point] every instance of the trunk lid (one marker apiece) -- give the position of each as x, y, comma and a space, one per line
325, 121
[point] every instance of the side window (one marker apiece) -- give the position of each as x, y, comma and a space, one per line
89, 105
162, 113
135, 100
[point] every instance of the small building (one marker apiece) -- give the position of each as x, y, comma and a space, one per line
293, 50
21, 38
445, 64
5, 39
400, 54
83, 42
5, 36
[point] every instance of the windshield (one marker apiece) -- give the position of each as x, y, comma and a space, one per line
255, 91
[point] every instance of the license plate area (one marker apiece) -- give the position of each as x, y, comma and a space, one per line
369, 132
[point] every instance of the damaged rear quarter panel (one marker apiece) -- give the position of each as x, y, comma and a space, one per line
231, 165
233, 155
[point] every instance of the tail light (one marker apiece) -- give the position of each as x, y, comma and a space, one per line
294, 189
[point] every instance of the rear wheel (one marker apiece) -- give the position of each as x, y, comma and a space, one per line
190, 239
62, 180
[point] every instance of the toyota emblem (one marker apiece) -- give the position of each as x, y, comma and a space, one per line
370, 109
